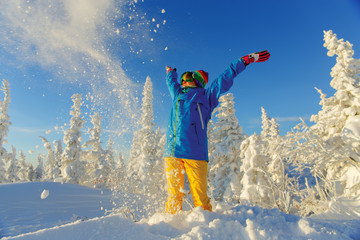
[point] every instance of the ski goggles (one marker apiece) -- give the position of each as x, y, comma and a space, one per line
187, 74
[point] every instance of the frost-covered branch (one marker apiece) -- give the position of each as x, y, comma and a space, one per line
345, 104
4, 116
72, 167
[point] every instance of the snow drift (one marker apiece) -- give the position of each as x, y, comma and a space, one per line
76, 212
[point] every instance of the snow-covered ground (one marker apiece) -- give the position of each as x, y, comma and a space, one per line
44, 210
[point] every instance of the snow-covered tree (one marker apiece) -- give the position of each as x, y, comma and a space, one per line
98, 167
39, 171
2, 171
266, 123
58, 151
12, 170
30, 173
4, 116
225, 137
72, 169
4, 126
95, 134
120, 161
304, 188
256, 186
51, 168
345, 103
338, 121
273, 151
270, 128
274, 129
22, 167
161, 143
110, 159
145, 167
118, 179
12, 167
271, 140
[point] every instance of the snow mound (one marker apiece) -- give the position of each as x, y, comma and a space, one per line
73, 212
342, 208
23, 208
44, 194
240, 222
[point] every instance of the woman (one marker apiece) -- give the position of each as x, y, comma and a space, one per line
186, 148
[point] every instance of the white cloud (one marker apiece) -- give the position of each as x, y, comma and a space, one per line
292, 119
68, 38
54, 31
27, 130
257, 121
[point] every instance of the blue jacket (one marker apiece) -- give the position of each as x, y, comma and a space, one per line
191, 110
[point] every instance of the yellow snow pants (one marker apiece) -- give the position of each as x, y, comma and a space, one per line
197, 174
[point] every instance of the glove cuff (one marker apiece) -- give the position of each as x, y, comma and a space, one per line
168, 69
248, 59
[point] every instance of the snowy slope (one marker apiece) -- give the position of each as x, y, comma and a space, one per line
76, 212
22, 208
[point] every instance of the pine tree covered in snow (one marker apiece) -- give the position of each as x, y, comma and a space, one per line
12, 166
271, 140
51, 167
145, 166
4, 128
272, 145
4, 116
345, 103
255, 181
22, 167
2, 171
225, 137
97, 165
95, 134
275, 128
118, 179
161, 138
11, 170
270, 128
39, 171
109, 154
339, 119
30, 173
72, 169
58, 151
266, 123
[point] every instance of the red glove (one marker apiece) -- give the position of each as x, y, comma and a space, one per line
168, 69
256, 57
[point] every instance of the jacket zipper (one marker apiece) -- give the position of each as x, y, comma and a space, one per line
176, 113
201, 119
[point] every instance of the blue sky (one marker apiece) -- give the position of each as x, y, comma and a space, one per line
105, 49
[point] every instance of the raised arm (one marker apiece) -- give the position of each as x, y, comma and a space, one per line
171, 81
225, 81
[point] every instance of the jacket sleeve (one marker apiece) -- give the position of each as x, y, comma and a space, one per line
224, 82
172, 83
